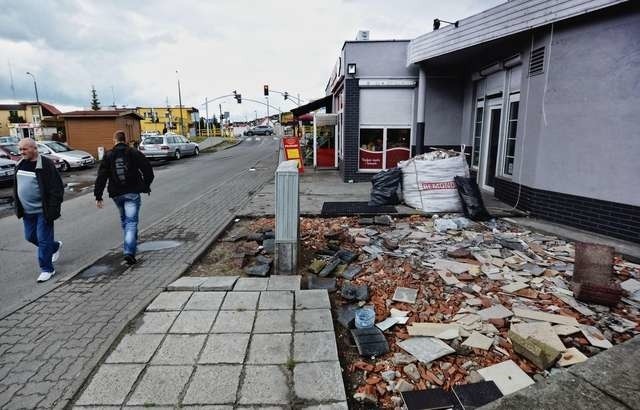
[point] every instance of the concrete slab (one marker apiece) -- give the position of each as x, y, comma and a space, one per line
213, 385
240, 301
234, 321
186, 283
314, 347
273, 321
135, 349
205, 301
169, 301
251, 284
110, 385
507, 376
193, 321
225, 348
269, 349
179, 349
284, 282
312, 299
264, 385
319, 381
155, 322
161, 385
332, 406
426, 349
313, 320
276, 300
218, 283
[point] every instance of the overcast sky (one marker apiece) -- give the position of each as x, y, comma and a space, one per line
217, 47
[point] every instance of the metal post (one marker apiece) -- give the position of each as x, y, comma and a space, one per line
422, 96
268, 117
287, 218
180, 105
206, 103
221, 119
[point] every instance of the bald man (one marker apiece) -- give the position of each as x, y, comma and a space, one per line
38, 192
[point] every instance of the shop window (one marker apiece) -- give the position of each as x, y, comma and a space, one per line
383, 148
512, 128
371, 145
398, 146
477, 137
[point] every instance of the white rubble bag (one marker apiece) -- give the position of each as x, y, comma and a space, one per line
428, 181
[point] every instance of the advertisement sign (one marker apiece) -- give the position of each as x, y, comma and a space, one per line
370, 159
292, 151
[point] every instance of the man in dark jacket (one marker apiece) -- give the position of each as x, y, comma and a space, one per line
38, 192
129, 174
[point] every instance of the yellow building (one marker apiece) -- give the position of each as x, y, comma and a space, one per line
24, 118
163, 119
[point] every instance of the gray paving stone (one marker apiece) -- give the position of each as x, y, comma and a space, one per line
205, 301
193, 321
224, 378
225, 348
284, 282
161, 385
312, 299
111, 384
313, 320
231, 321
251, 284
135, 349
186, 283
179, 349
206, 407
264, 385
218, 283
314, 347
276, 300
273, 321
155, 322
332, 406
269, 349
318, 381
240, 301
169, 301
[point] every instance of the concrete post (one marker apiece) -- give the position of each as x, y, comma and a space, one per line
287, 218
422, 96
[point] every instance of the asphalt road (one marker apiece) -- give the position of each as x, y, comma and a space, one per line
89, 233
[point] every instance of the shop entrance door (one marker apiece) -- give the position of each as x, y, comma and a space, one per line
493, 141
326, 147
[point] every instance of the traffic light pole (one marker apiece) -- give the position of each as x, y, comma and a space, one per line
285, 94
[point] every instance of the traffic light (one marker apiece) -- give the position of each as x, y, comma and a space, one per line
286, 95
239, 98
266, 90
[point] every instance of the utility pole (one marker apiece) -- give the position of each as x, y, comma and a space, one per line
268, 117
221, 119
206, 104
180, 105
35, 85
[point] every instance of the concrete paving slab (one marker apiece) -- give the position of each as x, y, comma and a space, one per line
193, 321
251, 284
155, 322
218, 283
314, 347
273, 321
313, 320
312, 299
240, 301
160, 385
319, 381
186, 283
284, 282
229, 321
332, 406
269, 349
179, 349
135, 349
169, 301
276, 300
264, 385
205, 301
205, 408
216, 384
110, 385
225, 348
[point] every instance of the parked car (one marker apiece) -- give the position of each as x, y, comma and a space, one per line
71, 158
260, 130
9, 140
7, 169
167, 146
13, 152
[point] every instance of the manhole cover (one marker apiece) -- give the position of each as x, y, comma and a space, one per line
158, 245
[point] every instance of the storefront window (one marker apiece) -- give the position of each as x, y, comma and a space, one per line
512, 128
398, 146
477, 137
371, 145
383, 148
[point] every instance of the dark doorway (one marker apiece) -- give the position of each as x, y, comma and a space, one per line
494, 139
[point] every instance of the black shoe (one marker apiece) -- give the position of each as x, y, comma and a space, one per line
130, 259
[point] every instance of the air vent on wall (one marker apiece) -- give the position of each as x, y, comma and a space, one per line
536, 62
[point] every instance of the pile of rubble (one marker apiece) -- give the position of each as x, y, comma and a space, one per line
458, 302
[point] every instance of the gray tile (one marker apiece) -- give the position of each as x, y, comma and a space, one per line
186, 283
213, 407
161, 385
314, 347
225, 348
179, 349
264, 385
155, 322
269, 349
273, 321
284, 282
276, 300
110, 385
229, 321
205, 301
135, 349
214, 385
194, 321
331, 406
251, 284
313, 320
218, 283
312, 299
240, 301
320, 382
169, 301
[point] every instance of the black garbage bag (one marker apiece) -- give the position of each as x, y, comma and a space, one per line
384, 190
472, 203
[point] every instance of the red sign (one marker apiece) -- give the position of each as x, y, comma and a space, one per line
291, 146
370, 159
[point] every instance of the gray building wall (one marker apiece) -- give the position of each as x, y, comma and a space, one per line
384, 59
443, 111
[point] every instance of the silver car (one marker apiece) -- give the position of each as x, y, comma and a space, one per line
72, 158
7, 169
167, 146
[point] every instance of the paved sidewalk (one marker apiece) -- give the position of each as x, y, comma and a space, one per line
266, 344
49, 347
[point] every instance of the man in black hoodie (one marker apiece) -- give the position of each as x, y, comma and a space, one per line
129, 174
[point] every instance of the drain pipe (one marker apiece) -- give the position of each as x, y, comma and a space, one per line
422, 96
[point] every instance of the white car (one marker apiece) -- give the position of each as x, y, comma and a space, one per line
72, 158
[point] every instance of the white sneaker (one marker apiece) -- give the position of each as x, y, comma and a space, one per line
45, 276
56, 255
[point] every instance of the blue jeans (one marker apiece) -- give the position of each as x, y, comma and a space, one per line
40, 233
129, 206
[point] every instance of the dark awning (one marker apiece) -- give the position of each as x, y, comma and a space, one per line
325, 102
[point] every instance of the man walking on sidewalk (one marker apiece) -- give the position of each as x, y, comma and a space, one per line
38, 193
129, 174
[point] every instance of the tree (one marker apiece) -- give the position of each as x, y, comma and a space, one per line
95, 103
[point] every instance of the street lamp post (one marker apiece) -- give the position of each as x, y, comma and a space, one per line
35, 86
180, 105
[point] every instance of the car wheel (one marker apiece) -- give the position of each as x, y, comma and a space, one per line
65, 167
269, 133
196, 152
249, 133
178, 156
